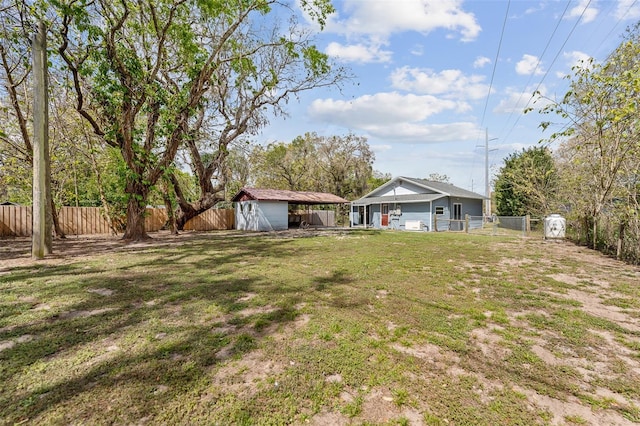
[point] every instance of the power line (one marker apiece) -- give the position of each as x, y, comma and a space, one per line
553, 33
493, 72
495, 63
615, 26
552, 63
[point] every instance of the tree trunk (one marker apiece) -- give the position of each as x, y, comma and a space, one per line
187, 211
136, 209
56, 223
620, 245
595, 234
585, 231
171, 217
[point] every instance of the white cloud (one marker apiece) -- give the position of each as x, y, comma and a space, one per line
381, 108
516, 100
481, 61
513, 147
585, 10
627, 9
358, 53
380, 148
395, 117
573, 59
576, 58
426, 133
529, 64
452, 84
535, 9
385, 17
417, 50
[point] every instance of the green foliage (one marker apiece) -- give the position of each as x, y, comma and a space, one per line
527, 183
437, 177
599, 154
341, 165
378, 179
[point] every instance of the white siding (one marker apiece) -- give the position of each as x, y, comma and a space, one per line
274, 215
401, 190
261, 215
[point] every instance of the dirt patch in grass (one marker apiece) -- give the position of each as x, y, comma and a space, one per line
318, 328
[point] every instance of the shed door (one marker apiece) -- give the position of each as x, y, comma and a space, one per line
385, 215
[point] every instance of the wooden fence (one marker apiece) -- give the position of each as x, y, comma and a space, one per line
15, 221
317, 217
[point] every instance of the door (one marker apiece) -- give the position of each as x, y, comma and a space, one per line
385, 215
457, 211
456, 224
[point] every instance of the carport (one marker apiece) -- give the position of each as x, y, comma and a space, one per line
270, 209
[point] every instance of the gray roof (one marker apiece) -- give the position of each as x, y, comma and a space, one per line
445, 188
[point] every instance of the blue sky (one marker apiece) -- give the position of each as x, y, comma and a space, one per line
432, 76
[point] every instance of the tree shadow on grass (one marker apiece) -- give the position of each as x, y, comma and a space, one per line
131, 336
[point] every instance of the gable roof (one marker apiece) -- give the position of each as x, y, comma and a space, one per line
445, 188
294, 197
436, 190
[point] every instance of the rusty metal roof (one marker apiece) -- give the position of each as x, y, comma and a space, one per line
294, 197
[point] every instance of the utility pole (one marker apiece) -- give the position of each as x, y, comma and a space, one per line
486, 171
487, 189
42, 221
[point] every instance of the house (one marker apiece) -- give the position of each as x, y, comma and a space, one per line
268, 209
416, 204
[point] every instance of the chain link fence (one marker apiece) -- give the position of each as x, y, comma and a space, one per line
499, 225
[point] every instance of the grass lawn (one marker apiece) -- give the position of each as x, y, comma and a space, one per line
358, 327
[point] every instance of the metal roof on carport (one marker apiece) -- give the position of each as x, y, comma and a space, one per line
293, 197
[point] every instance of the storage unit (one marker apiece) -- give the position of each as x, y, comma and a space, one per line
268, 209
554, 226
413, 225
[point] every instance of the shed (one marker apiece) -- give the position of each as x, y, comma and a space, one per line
268, 209
414, 204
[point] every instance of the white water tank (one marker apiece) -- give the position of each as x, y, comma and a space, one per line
554, 226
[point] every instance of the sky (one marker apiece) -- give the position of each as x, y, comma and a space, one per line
435, 80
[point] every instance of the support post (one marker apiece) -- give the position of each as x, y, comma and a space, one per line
42, 221
486, 171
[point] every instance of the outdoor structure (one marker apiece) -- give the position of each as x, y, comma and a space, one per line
416, 204
268, 209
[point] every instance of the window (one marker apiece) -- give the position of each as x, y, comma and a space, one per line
439, 210
385, 209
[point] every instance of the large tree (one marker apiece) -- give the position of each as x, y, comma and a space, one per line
287, 165
275, 66
527, 183
147, 74
347, 164
602, 135
341, 165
